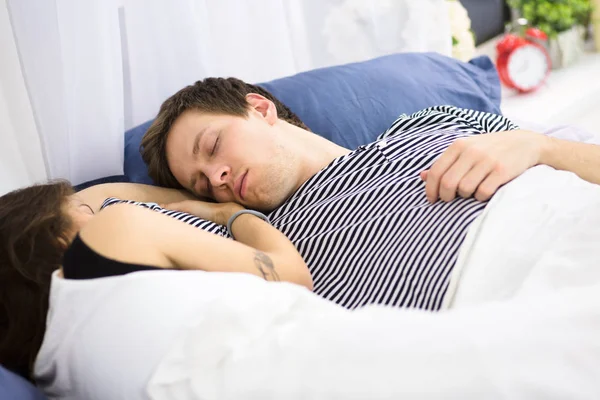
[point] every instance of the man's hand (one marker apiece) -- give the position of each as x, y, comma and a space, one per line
218, 213
479, 165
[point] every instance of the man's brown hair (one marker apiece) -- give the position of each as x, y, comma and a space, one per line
211, 95
33, 232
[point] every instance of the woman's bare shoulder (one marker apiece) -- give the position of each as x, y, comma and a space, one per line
127, 233
122, 218
94, 196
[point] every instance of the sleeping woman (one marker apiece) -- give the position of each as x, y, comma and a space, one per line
48, 228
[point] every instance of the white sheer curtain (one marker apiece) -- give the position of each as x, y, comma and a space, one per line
21, 161
71, 56
94, 68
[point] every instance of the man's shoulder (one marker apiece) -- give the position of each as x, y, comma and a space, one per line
443, 116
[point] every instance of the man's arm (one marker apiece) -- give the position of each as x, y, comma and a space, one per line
580, 158
94, 196
479, 165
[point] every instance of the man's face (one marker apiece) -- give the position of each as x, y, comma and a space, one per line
232, 159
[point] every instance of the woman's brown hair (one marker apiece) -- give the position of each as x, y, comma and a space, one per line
33, 233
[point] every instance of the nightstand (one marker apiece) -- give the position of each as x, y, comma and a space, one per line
570, 96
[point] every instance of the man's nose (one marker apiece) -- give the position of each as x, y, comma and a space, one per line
220, 176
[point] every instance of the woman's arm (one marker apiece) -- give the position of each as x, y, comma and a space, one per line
134, 234
94, 196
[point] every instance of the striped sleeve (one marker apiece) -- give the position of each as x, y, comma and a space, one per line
449, 118
488, 122
189, 219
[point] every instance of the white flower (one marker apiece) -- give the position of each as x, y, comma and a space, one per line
460, 28
459, 18
464, 50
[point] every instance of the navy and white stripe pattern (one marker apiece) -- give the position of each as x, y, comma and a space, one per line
181, 216
363, 223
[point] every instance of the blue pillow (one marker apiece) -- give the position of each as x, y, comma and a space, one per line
352, 104
13, 386
108, 179
134, 167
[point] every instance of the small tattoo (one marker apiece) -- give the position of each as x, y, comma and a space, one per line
265, 266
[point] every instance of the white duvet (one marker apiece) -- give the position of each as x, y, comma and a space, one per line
521, 324
288, 346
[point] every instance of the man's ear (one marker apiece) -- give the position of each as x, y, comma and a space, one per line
263, 106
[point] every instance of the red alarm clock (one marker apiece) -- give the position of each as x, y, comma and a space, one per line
523, 62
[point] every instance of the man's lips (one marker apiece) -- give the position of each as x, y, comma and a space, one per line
240, 186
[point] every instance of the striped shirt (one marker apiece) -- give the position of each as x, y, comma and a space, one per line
363, 224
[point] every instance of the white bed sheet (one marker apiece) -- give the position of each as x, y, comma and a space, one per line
539, 234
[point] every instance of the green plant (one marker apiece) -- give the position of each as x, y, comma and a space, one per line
553, 16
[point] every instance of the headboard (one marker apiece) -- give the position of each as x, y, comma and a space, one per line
488, 17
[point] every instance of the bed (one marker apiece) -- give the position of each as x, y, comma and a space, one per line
278, 341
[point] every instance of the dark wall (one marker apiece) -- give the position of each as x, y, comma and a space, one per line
488, 17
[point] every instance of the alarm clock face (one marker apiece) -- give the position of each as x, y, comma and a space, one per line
528, 67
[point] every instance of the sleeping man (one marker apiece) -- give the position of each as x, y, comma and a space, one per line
368, 221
